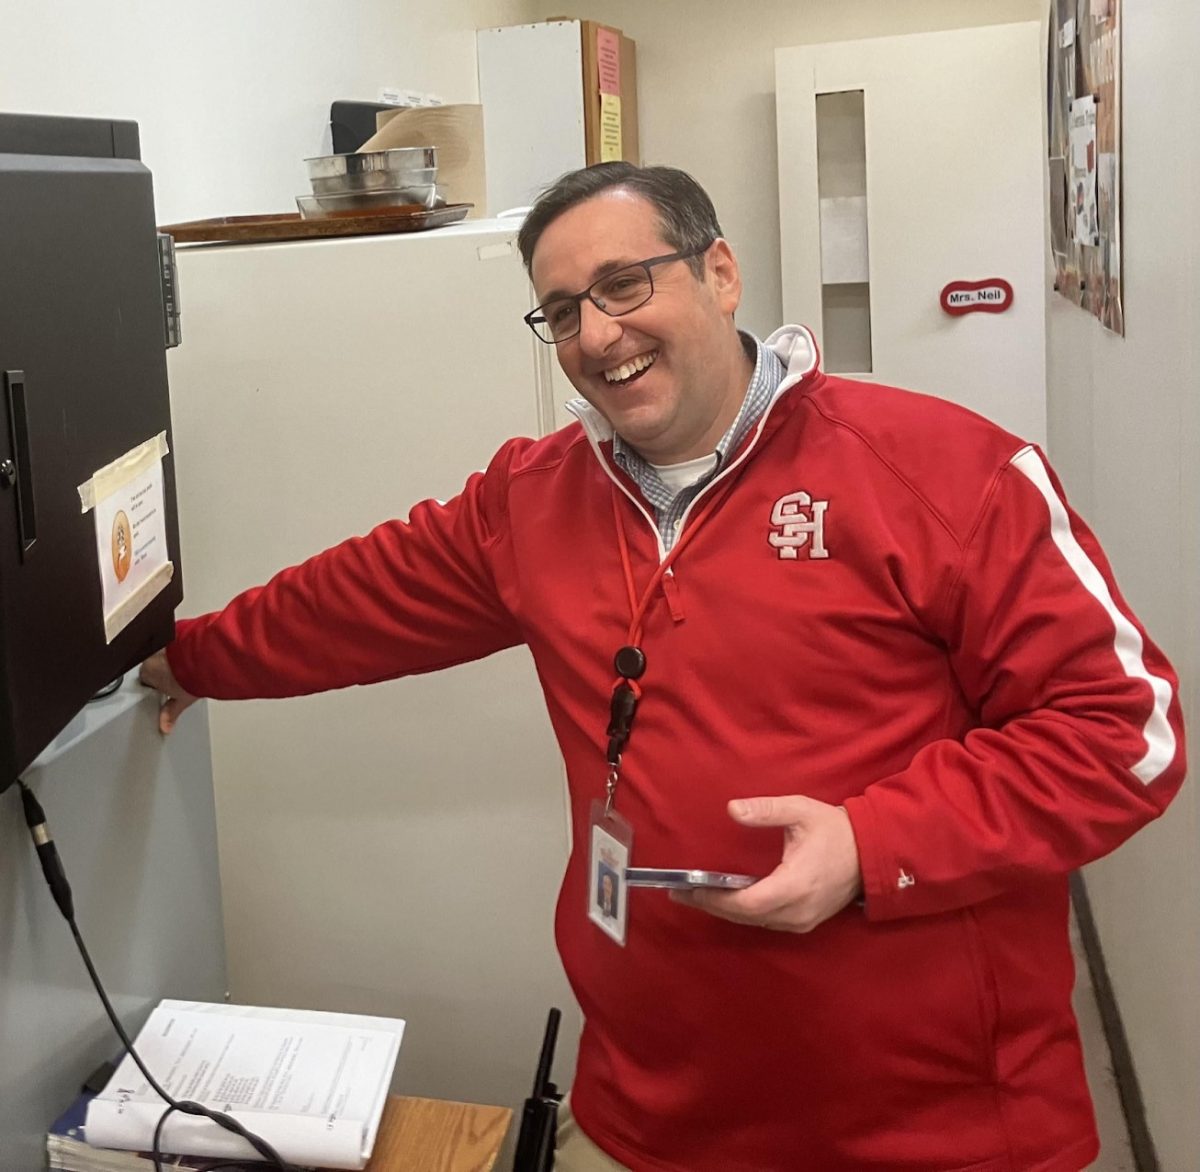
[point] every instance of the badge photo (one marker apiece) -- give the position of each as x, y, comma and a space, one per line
608, 857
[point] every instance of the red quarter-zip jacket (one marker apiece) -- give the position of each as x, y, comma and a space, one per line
893, 609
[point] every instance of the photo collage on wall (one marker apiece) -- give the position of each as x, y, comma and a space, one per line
1083, 105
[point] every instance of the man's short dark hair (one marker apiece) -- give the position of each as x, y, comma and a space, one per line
686, 215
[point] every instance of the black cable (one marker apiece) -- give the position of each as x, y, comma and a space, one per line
56, 877
186, 1106
108, 689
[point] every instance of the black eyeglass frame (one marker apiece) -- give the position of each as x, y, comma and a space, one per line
533, 320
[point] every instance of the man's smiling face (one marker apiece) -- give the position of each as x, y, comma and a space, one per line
669, 376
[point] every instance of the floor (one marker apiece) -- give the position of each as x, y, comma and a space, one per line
1115, 1152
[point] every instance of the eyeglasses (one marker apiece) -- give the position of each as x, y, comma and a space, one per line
616, 293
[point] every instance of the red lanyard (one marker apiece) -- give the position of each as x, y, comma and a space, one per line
630, 660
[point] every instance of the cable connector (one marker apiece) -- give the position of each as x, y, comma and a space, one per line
52, 868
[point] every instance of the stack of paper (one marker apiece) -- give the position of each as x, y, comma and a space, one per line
311, 1084
68, 1151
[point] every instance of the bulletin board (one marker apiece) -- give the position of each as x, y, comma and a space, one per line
1083, 103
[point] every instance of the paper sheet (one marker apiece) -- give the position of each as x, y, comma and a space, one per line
611, 146
1083, 169
608, 57
844, 255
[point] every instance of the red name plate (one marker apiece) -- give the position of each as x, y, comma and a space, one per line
994, 295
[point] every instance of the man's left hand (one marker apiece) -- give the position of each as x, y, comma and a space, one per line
819, 874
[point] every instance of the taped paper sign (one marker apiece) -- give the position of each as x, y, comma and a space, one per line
608, 58
610, 129
131, 532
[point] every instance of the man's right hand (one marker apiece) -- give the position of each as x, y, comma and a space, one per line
156, 673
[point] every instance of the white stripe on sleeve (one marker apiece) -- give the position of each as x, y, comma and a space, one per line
1127, 642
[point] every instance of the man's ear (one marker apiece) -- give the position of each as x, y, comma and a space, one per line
725, 275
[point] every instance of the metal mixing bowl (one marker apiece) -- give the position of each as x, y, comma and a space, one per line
372, 170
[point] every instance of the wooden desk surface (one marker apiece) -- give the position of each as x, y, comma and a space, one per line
430, 1135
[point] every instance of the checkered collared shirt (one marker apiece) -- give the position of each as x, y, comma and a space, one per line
669, 504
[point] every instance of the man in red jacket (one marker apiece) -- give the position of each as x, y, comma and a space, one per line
843, 637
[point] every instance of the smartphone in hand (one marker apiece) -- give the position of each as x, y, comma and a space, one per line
683, 880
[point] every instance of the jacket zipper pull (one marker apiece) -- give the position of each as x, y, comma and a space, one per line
670, 589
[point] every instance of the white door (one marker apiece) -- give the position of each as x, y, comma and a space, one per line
950, 145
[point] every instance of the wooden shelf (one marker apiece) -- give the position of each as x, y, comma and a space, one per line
432, 1135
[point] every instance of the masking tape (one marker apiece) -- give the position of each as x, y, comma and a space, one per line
493, 251
121, 471
117, 620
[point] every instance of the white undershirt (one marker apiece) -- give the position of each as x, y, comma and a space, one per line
677, 477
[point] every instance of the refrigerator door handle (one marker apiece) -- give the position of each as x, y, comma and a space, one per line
18, 473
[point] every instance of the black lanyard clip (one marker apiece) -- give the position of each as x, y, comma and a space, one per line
620, 724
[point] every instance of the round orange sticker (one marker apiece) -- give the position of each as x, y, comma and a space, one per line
122, 546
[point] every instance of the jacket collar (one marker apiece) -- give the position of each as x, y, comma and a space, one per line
794, 346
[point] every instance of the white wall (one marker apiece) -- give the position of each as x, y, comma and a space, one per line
706, 96
1124, 422
232, 95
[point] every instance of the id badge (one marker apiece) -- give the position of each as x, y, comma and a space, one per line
607, 892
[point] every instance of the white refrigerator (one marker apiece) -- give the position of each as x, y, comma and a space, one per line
395, 849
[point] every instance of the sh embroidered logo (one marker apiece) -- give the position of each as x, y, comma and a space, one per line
798, 521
